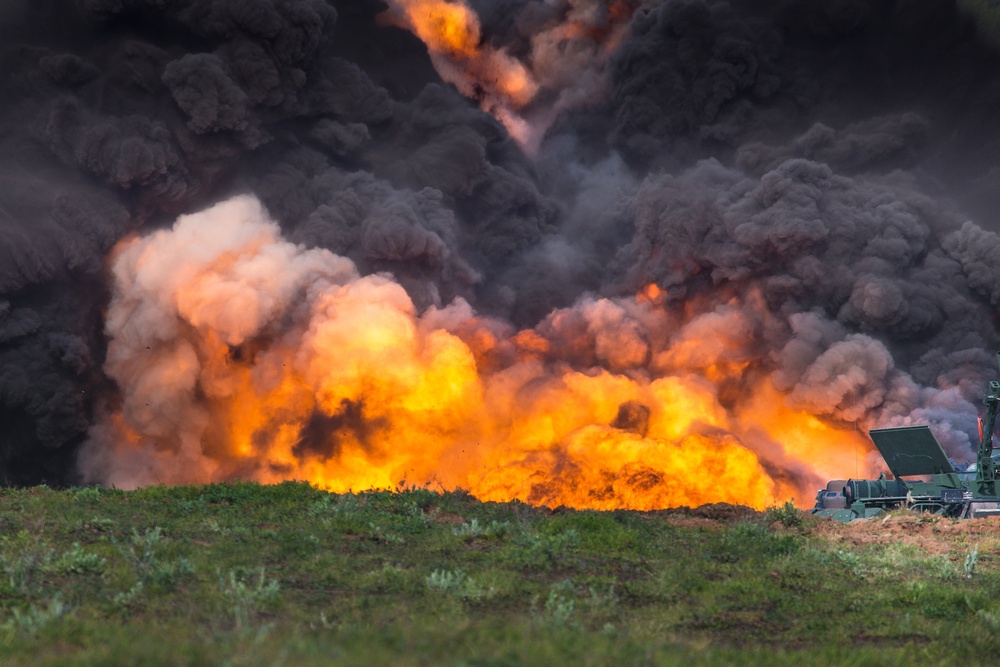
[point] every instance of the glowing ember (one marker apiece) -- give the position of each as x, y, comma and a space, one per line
240, 355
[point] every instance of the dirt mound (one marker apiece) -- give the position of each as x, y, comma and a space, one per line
717, 514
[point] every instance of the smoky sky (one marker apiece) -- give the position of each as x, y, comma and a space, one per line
839, 160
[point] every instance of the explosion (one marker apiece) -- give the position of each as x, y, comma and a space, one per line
567, 59
451, 31
597, 254
240, 354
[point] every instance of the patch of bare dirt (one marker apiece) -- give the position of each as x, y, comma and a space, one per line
933, 535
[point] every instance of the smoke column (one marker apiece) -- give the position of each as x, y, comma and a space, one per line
631, 254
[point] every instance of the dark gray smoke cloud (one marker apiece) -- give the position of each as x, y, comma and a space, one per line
835, 161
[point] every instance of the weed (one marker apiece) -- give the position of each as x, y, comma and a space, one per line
559, 609
141, 552
851, 561
79, 561
454, 583
559, 606
87, 494
35, 618
990, 618
546, 550
126, 598
334, 504
417, 509
246, 597
343, 513
897, 560
213, 525
293, 544
970, 562
472, 529
944, 569
387, 578
29, 560
168, 573
378, 533
788, 515
191, 506
98, 525
378, 515
249, 494
602, 601
469, 529
324, 623
752, 542
609, 533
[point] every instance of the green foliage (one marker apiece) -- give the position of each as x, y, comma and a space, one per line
125, 599
248, 596
27, 563
80, 561
788, 515
24, 560
87, 494
34, 618
244, 494
142, 552
454, 583
571, 605
245, 574
97, 525
140, 549
530, 549
389, 578
970, 562
373, 515
598, 530
473, 529
753, 542
851, 561
559, 606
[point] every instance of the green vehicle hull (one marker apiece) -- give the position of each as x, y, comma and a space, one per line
934, 486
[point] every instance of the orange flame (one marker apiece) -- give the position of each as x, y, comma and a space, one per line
504, 85
451, 32
652, 294
450, 28
240, 355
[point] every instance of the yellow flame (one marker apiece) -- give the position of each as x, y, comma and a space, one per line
349, 387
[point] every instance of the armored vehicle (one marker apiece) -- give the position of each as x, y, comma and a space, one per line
925, 479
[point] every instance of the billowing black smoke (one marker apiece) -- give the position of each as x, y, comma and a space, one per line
837, 159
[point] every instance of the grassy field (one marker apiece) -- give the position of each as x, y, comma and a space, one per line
244, 574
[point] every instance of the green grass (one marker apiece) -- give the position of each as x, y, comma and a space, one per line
243, 574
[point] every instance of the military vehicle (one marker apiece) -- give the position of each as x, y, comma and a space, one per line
934, 485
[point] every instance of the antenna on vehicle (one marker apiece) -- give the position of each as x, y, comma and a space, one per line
857, 436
